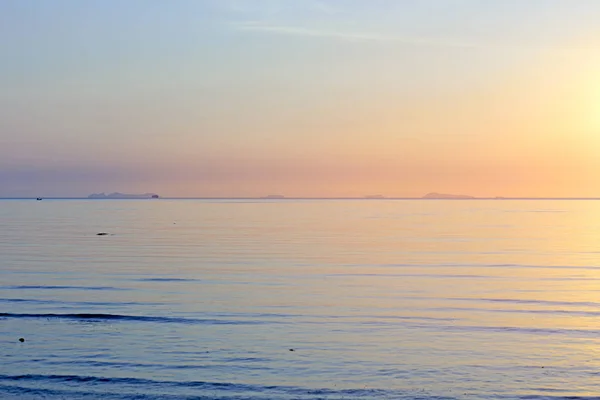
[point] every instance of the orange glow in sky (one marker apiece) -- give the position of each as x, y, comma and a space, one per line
315, 98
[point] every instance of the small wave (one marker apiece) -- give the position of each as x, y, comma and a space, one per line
437, 276
530, 266
17, 393
113, 393
167, 280
568, 278
127, 381
43, 287
28, 301
544, 397
535, 211
229, 363
528, 301
78, 303
384, 317
111, 364
132, 365
580, 313
108, 387
473, 265
525, 330
117, 317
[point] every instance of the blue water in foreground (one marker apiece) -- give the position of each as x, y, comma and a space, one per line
378, 299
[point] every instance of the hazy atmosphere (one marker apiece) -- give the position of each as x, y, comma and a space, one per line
225, 199
302, 98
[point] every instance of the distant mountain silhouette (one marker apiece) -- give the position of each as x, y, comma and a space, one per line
274, 196
435, 195
117, 195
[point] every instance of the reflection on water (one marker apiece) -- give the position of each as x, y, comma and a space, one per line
379, 299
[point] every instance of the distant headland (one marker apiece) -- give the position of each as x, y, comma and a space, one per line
434, 195
117, 195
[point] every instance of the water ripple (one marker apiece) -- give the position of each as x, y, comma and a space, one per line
117, 317
44, 287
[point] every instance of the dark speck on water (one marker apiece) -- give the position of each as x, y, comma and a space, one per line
101, 234
21, 340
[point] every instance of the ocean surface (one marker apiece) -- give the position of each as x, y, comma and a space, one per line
378, 299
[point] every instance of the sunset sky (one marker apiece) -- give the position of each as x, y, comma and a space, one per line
300, 97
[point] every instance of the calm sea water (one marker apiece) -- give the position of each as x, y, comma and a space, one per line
198, 299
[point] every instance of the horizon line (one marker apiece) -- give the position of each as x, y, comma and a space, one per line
295, 198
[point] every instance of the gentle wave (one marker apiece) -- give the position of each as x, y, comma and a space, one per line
86, 303
509, 301
478, 265
538, 397
43, 287
23, 393
436, 276
228, 363
469, 276
117, 317
406, 321
167, 280
534, 211
581, 313
218, 390
213, 315
528, 301
117, 388
128, 381
573, 332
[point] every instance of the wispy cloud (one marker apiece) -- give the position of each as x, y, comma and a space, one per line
348, 36
324, 8
235, 7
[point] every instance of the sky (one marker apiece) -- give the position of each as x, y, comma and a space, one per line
310, 98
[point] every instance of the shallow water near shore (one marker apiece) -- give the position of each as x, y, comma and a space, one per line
378, 299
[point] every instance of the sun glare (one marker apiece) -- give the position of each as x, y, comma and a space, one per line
592, 115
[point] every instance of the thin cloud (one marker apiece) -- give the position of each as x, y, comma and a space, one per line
324, 8
236, 7
347, 36
275, 7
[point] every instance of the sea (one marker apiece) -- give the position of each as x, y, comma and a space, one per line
300, 299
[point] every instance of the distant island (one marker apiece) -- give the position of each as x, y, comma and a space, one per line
374, 196
274, 196
117, 195
434, 195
